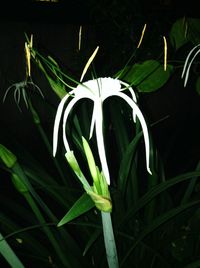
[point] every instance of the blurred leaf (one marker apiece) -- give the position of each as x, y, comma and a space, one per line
148, 76
183, 31
82, 205
156, 190
177, 34
194, 264
193, 33
126, 161
92, 240
198, 85
160, 220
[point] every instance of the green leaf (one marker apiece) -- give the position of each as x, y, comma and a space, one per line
126, 161
148, 76
82, 205
193, 33
177, 34
156, 190
183, 31
156, 223
8, 253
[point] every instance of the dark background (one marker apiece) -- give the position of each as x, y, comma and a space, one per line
115, 26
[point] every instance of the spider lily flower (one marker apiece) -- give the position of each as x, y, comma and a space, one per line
188, 62
98, 90
21, 89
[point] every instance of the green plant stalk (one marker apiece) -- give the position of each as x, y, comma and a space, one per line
37, 122
46, 229
109, 240
16, 169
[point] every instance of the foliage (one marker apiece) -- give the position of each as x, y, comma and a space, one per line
155, 217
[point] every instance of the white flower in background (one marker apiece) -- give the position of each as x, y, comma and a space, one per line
98, 90
188, 62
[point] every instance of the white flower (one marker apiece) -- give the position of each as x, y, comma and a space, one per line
98, 90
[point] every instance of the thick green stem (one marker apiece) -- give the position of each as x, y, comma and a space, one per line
109, 240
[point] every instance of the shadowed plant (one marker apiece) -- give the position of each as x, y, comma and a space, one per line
104, 200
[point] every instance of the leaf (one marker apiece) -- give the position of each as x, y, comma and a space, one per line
183, 31
82, 205
193, 34
198, 85
9, 254
177, 34
148, 76
126, 161
169, 215
155, 191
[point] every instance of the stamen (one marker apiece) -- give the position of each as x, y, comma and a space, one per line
165, 53
142, 35
79, 39
88, 63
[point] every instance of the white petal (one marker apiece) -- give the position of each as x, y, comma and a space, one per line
132, 95
65, 116
92, 124
57, 123
100, 139
189, 66
187, 59
143, 124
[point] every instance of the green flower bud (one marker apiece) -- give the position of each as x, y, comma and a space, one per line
7, 156
75, 166
19, 184
71, 159
90, 160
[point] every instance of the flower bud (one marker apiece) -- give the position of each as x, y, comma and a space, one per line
7, 156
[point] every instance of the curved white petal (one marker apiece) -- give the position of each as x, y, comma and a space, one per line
100, 140
92, 124
133, 95
189, 66
65, 116
57, 123
187, 59
140, 116
130, 89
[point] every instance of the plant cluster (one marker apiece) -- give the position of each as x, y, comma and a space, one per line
106, 199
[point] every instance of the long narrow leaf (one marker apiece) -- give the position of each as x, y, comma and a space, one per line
8, 253
82, 205
157, 223
158, 189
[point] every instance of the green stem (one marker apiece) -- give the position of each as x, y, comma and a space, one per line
109, 240
28, 196
46, 229
37, 122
